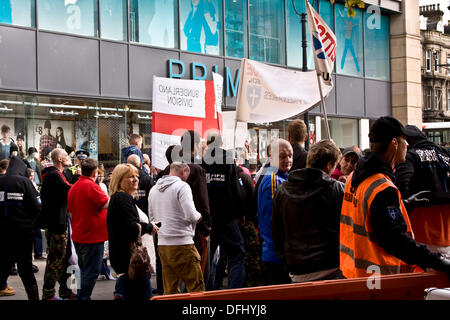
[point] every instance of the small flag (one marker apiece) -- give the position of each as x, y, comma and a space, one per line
324, 44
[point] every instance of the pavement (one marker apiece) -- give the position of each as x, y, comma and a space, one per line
103, 289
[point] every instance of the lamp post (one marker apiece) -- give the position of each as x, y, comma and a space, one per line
304, 63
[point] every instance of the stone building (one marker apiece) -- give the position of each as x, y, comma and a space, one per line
435, 65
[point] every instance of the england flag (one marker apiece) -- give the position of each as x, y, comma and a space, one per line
324, 44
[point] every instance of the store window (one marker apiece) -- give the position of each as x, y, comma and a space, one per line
294, 36
154, 22
236, 28
349, 34
77, 17
344, 132
201, 26
376, 46
267, 31
114, 19
18, 12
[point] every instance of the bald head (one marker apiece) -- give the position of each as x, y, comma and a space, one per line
281, 154
134, 160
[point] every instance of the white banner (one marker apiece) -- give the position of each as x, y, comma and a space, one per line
179, 97
269, 94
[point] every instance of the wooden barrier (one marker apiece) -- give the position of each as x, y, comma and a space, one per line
405, 286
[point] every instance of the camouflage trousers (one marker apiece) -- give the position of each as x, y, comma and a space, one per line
57, 264
252, 255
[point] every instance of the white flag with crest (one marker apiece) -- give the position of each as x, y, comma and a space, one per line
324, 44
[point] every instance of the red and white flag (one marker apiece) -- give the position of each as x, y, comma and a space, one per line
324, 44
180, 105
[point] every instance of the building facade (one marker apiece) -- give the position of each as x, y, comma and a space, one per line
435, 66
88, 65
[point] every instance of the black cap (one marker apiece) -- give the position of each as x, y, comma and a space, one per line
31, 150
386, 128
20, 136
47, 150
82, 154
352, 150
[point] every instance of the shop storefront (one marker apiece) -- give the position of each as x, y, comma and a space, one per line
87, 66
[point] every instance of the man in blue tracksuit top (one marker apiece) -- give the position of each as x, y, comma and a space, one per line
274, 270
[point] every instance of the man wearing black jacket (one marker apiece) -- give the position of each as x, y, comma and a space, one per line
297, 135
145, 183
226, 203
55, 188
19, 207
427, 168
375, 230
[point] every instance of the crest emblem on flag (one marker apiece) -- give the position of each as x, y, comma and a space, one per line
253, 96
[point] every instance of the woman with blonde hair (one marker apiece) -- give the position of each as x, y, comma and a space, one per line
123, 229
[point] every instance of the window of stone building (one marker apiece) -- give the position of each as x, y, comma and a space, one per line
436, 61
448, 99
428, 60
428, 101
448, 64
437, 99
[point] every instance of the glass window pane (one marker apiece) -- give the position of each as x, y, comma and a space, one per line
267, 31
201, 26
154, 22
76, 16
114, 19
294, 36
18, 12
376, 46
349, 34
236, 28
344, 131
327, 13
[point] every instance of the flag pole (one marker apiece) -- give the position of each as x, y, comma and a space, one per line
324, 109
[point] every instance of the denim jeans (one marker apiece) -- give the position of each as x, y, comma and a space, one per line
228, 236
133, 290
37, 242
90, 258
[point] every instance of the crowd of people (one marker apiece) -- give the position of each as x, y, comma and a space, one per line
303, 215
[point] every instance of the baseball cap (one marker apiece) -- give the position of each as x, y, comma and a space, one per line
82, 154
386, 128
352, 150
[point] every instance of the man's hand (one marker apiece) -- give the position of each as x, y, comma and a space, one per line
420, 199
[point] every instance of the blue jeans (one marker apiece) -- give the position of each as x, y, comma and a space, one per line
90, 258
133, 290
228, 236
37, 242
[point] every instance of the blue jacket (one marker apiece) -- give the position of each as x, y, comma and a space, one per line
266, 192
128, 151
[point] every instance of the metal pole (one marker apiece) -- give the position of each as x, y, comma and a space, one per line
324, 108
303, 20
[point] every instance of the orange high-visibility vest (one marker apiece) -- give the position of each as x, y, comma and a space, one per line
358, 249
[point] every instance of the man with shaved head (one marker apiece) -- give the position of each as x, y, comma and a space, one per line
145, 183
274, 271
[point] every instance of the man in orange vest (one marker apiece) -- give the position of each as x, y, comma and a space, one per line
375, 231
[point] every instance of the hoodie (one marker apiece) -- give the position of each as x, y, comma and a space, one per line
19, 201
171, 203
305, 221
389, 230
55, 188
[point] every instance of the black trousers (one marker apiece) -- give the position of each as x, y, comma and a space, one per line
16, 245
273, 273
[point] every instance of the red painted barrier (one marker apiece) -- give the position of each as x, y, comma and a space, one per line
405, 286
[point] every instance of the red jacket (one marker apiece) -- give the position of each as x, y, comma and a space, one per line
85, 202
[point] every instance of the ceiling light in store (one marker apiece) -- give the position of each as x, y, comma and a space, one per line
63, 113
5, 108
107, 115
146, 117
